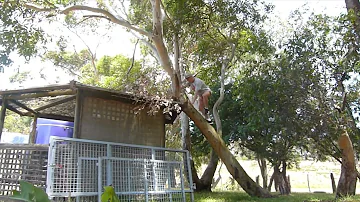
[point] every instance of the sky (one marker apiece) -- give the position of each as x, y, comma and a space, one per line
120, 43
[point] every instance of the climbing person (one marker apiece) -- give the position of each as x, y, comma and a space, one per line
201, 91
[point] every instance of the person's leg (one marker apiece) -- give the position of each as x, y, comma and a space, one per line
201, 105
205, 97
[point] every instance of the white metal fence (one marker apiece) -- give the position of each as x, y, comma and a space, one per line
81, 168
22, 162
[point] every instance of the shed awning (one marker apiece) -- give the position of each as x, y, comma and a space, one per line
59, 101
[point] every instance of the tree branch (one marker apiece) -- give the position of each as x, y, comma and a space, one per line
224, 66
94, 16
132, 60
92, 54
160, 45
113, 19
106, 13
149, 45
37, 8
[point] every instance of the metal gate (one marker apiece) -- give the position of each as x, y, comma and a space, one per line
80, 169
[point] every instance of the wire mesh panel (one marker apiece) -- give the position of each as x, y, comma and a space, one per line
81, 168
22, 162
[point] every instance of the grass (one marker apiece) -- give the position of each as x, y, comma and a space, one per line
318, 174
294, 197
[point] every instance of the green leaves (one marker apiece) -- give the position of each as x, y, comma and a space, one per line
30, 193
18, 32
109, 195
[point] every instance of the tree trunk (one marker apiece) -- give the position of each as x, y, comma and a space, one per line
348, 177
354, 6
216, 142
277, 178
282, 183
257, 179
216, 182
207, 177
271, 182
286, 179
186, 144
203, 183
333, 185
263, 170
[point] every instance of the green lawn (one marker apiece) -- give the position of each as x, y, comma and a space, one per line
241, 196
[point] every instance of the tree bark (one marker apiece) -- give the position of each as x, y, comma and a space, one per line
263, 170
354, 6
216, 142
286, 179
271, 182
216, 182
333, 185
204, 184
277, 178
186, 142
281, 181
348, 177
257, 179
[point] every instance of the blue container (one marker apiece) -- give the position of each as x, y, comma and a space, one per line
45, 128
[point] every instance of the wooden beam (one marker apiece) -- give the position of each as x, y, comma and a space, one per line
55, 103
56, 117
77, 118
23, 106
2, 115
32, 137
13, 109
35, 90
43, 94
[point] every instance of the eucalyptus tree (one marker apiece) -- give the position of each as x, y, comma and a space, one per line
145, 19
223, 33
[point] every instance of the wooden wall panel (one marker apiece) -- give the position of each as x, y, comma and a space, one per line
115, 121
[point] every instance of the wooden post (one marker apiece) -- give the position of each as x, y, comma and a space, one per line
2, 115
333, 185
32, 137
77, 116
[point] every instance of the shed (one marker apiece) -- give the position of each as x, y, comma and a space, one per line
97, 113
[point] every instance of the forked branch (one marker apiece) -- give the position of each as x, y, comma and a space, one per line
105, 13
